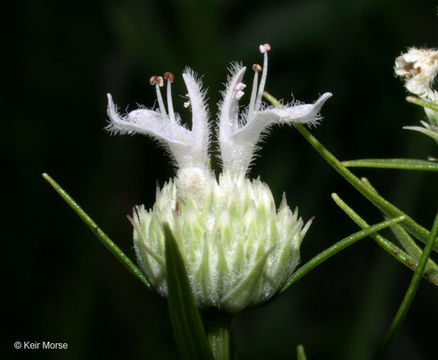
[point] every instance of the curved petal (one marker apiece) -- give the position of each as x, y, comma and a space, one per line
243, 141
177, 139
200, 128
229, 117
228, 108
303, 114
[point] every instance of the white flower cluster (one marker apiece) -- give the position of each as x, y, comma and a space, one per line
238, 249
418, 68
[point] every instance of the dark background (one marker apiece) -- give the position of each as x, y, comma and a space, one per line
61, 58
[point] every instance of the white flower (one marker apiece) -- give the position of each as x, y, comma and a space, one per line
238, 249
239, 133
418, 68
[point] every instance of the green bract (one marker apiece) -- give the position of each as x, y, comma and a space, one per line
239, 250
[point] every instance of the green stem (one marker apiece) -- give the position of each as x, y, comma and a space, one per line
410, 293
382, 204
117, 252
218, 333
334, 249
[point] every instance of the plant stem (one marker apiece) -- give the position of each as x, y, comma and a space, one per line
410, 293
218, 331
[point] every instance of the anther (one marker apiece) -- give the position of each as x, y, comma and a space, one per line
264, 47
160, 81
239, 90
256, 68
240, 86
153, 80
239, 94
168, 76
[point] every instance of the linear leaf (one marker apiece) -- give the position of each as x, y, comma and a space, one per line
334, 249
421, 102
388, 246
189, 332
381, 203
301, 355
402, 164
96, 230
410, 293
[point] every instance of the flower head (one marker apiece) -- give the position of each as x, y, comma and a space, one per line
239, 250
418, 68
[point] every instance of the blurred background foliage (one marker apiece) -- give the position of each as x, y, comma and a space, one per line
60, 60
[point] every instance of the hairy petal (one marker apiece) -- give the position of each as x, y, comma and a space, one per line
229, 109
177, 139
200, 126
242, 143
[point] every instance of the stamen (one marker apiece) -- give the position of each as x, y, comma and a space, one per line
257, 68
153, 80
158, 82
187, 104
169, 77
239, 90
239, 94
266, 47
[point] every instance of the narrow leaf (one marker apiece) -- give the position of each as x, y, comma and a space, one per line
402, 164
188, 329
116, 251
388, 246
334, 249
429, 131
412, 248
410, 293
421, 102
301, 355
381, 203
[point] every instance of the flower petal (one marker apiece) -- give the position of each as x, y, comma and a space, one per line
303, 114
241, 146
228, 108
176, 138
200, 127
